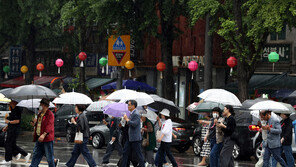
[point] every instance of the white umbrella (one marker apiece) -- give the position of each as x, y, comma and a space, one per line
32, 103
125, 94
98, 105
270, 105
148, 112
220, 96
73, 98
256, 113
157, 98
3, 99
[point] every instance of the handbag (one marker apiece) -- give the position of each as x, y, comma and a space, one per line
78, 138
145, 142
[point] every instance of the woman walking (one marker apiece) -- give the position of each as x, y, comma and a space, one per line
206, 146
149, 138
228, 127
82, 126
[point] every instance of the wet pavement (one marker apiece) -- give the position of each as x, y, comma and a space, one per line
62, 151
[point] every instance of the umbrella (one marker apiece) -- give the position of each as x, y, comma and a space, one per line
220, 96
126, 94
289, 106
73, 98
150, 114
270, 105
116, 109
282, 93
130, 84
6, 91
249, 102
256, 114
206, 106
31, 92
98, 105
32, 103
3, 99
162, 103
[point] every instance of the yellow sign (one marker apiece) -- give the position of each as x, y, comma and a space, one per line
118, 50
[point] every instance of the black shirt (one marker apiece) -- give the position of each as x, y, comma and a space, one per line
15, 114
287, 131
230, 126
212, 129
113, 126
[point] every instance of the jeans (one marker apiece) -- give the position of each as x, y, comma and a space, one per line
110, 148
288, 154
136, 150
81, 149
215, 153
276, 153
11, 149
166, 148
41, 149
157, 158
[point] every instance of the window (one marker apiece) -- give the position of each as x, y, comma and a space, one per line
65, 110
278, 36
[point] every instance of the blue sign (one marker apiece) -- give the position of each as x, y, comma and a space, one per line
91, 60
15, 61
119, 44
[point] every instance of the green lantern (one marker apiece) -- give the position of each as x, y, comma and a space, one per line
6, 69
273, 57
103, 62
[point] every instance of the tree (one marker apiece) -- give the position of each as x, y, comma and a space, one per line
142, 18
245, 26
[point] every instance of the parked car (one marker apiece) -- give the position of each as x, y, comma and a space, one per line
4, 109
184, 133
2, 134
100, 135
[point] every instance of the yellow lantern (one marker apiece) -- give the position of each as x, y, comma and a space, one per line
24, 70
129, 65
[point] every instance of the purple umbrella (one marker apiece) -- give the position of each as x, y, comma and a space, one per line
116, 110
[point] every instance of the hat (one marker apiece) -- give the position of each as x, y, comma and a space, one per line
44, 101
165, 112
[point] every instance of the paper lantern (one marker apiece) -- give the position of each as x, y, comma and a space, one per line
6, 69
192, 67
103, 62
40, 68
82, 56
273, 57
160, 67
24, 70
231, 62
59, 63
129, 65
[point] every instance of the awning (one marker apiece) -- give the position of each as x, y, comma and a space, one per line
97, 82
16, 82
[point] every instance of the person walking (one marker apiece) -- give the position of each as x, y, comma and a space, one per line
286, 140
228, 127
82, 126
149, 140
165, 139
134, 134
12, 129
44, 135
114, 143
272, 146
205, 152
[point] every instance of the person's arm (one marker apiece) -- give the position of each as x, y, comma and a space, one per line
287, 132
230, 127
149, 128
276, 129
134, 121
50, 124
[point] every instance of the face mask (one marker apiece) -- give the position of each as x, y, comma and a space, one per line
215, 115
40, 108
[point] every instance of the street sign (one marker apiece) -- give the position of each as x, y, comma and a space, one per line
15, 61
284, 50
118, 50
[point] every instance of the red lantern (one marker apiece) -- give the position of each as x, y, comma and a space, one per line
82, 57
40, 68
160, 67
231, 62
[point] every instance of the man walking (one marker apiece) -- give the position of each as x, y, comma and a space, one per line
114, 143
12, 128
273, 142
135, 137
44, 135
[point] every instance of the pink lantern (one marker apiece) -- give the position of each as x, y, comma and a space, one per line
192, 67
59, 63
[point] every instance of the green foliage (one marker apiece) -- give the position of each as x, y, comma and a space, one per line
25, 122
75, 84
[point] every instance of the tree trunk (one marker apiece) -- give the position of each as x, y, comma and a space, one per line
243, 79
31, 55
208, 56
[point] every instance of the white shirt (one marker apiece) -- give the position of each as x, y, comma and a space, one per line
166, 130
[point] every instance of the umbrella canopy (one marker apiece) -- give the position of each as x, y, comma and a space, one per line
220, 96
73, 98
206, 106
256, 113
151, 115
32, 103
130, 84
293, 94
116, 110
249, 102
161, 103
125, 94
3, 99
98, 105
31, 92
270, 105
6, 91
290, 107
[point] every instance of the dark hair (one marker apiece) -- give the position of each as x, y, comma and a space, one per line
230, 108
287, 115
133, 102
45, 102
80, 107
265, 112
217, 109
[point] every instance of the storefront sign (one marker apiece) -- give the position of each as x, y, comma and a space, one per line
186, 59
284, 50
15, 61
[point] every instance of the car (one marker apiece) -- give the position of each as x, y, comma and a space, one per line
100, 135
4, 109
184, 133
2, 134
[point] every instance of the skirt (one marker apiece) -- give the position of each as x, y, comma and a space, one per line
206, 147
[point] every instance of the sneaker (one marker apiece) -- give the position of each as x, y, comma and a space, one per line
5, 162
18, 157
27, 158
57, 162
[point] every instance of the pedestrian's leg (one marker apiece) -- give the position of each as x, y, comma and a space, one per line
10, 143
126, 153
38, 153
214, 156
118, 147
289, 155
266, 157
226, 153
87, 156
276, 153
170, 155
48, 149
273, 162
136, 149
75, 154
109, 150
149, 157
161, 152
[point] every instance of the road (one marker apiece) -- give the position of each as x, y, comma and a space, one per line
62, 151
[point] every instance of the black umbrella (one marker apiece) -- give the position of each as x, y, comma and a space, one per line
162, 103
248, 103
6, 91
